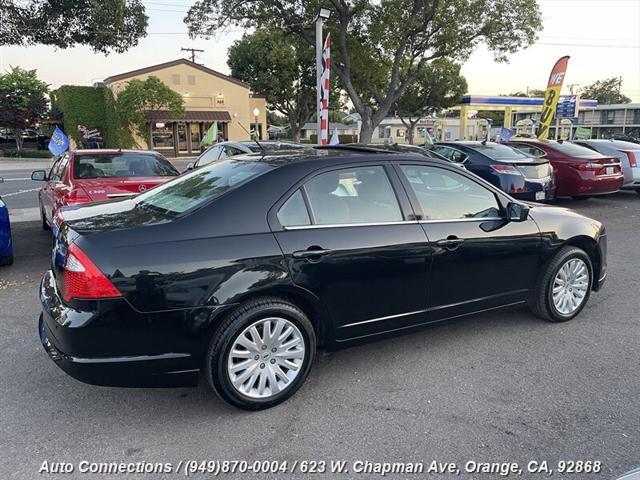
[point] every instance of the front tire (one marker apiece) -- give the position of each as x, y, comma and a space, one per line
261, 354
6, 261
45, 225
564, 285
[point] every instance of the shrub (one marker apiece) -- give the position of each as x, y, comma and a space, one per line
25, 153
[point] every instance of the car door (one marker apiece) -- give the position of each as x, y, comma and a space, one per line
480, 260
349, 237
47, 193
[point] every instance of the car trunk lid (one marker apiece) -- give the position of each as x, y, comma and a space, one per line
100, 189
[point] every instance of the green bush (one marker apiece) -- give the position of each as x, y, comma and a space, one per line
25, 153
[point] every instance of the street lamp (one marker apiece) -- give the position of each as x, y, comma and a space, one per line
323, 15
256, 113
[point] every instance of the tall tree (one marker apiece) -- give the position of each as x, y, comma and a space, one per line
281, 67
24, 101
103, 25
381, 46
436, 86
140, 96
606, 91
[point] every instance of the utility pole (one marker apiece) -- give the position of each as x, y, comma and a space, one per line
193, 52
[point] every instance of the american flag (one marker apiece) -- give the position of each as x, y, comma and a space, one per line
324, 91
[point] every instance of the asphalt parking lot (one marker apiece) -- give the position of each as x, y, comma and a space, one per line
499, 387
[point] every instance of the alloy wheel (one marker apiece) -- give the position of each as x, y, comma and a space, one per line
570, 286
266, 357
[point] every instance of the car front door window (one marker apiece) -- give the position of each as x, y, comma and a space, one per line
352, 196
445, 195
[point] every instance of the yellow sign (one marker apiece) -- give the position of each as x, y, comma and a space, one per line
551, 96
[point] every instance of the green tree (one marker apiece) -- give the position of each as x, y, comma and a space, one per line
605, 91
436, 86
24, 101
140, 96
103, 25
281, 67
379, 47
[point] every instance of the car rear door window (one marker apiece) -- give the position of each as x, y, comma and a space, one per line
450, 154
446, 195
352, 196
294, 211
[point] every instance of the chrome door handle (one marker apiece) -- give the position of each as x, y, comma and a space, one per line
450, 243
310, 254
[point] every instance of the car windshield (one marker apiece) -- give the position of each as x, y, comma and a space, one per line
573, 150
125, 164
200, 186
496, 151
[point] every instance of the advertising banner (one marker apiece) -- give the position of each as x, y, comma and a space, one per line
551, 96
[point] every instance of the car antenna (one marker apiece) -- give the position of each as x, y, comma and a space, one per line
255, 139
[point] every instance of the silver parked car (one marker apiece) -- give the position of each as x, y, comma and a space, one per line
627, 152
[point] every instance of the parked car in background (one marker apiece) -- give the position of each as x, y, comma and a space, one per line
404, 148
83, 176
6, 243
228, 149
241, 268
628, 153
625, 138
579, 172
520, 175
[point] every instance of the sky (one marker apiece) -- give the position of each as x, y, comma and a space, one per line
601, 36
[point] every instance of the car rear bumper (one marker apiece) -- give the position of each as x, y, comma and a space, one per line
632, 179
590, 184
66, 333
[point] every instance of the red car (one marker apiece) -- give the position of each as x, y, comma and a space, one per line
84, 176
579, 172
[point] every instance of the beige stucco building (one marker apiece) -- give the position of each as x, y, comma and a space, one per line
209, 96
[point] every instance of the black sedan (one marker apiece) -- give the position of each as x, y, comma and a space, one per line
240, 269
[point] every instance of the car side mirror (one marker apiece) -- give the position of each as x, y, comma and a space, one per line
39, 175
190, 166
517, 212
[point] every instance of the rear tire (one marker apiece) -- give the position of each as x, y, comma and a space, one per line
6, 261
261, 377
638, 191
551, 288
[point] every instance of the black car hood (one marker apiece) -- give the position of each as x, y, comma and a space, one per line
114, 215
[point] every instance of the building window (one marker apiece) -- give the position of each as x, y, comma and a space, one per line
607, 117
175, 79
380, 132
636, 117
191, 79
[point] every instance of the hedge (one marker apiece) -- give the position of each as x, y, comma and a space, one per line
93, 107
25, 153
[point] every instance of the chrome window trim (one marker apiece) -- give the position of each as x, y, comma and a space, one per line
456, 220
403, 222
343, 225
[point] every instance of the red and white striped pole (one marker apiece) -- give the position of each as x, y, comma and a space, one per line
324, 92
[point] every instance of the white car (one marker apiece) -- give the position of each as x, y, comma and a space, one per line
627, 152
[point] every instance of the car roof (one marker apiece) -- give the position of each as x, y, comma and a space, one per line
332, 154
111, 151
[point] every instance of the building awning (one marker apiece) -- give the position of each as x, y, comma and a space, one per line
189, 116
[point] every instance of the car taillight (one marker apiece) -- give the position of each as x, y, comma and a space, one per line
584, 166
632, 158
77, 196
507, 169
83, 280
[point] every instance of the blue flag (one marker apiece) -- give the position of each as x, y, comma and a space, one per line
506, 134
59, 142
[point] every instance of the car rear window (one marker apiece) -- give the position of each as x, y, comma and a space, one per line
115, 165
195, 188
496, 151
573, 150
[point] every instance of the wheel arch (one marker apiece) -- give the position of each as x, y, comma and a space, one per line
590, 246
